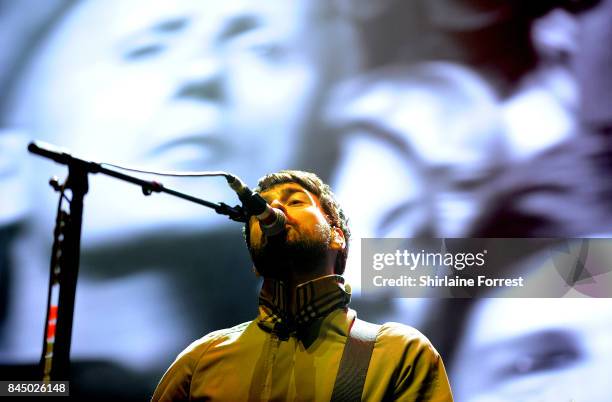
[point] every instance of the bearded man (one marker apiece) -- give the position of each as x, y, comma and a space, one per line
305, 344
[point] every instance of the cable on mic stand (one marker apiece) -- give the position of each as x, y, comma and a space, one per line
272, 220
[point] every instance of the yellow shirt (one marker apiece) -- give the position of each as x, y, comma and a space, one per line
252, 361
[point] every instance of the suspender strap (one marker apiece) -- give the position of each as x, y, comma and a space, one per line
355, 361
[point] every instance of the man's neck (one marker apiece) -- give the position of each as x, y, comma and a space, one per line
295, 279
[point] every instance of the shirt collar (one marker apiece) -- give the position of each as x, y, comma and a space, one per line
313, 300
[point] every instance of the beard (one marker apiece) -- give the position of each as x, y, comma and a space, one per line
278, 256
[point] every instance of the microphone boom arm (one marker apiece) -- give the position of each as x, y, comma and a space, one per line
235, 213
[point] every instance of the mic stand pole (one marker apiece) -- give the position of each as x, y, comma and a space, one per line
55, 359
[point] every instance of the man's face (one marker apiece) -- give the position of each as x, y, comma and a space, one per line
546, 350
306, 242
175, 85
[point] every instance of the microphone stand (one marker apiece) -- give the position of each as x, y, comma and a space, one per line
55, 359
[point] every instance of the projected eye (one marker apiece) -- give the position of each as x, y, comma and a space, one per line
550, 361
153, 40
142, 52
270, 51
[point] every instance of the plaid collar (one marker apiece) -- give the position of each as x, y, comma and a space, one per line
313, 300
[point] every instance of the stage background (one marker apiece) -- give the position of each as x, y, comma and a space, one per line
438, 118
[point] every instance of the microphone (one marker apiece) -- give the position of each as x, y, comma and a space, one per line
271, 220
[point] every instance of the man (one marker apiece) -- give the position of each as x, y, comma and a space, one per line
293, 349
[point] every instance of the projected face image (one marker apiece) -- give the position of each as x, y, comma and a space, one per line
535, 350
173, 85
163, 85
431, 138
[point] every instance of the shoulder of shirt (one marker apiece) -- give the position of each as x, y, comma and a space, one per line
200, 346
404, 336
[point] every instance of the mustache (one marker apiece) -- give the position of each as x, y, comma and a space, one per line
274, 241
278, 256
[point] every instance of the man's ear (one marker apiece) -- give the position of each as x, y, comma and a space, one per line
337, 242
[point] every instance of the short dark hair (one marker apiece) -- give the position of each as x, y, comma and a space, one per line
311, 182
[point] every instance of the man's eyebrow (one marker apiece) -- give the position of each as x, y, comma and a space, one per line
237, 26
287, 192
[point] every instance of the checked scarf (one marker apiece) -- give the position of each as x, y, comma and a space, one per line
313, 300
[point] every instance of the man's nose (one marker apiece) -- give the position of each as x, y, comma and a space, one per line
279, 205
202, 80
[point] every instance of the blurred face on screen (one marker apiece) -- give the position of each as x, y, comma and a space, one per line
176, 85
544, 350
430, 138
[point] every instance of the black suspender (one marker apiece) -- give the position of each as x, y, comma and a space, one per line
355, 361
